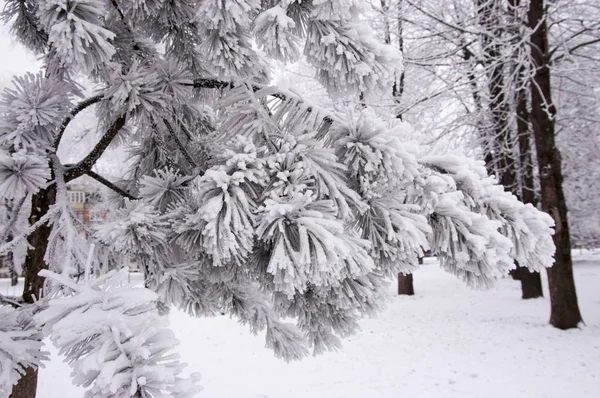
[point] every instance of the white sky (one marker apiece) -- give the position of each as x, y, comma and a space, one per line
14, 58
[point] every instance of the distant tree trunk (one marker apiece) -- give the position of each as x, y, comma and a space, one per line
405, 284
405, 281
563, 297
499, 135
14, 276
531, 282
33, 288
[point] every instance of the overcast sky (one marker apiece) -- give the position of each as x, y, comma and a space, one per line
16, 59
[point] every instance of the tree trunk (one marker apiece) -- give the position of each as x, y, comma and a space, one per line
563, 297
14, 277
26, 387
531, 282
405, 284
38, 241
33, 288
498, 137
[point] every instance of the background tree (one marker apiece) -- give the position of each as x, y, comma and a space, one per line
564, 308
478, 59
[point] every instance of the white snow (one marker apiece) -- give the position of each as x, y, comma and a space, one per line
447, 341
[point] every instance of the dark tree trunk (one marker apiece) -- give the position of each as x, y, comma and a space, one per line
531, 282
498, 138
14, 277
563, 297
405, 284
38, 241
503, 144
34, 284
26, 387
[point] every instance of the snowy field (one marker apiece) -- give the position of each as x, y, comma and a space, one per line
447, 341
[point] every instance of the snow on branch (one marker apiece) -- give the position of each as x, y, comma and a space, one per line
20, 346
113, 337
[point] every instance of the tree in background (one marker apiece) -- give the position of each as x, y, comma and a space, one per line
574, 38
478, 57
241, 198
564, 307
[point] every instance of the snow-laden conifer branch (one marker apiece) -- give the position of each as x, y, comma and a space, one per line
179, 144
12, 220
279, 94
25, 27
114, 339
20, 346
297, 212
9, 246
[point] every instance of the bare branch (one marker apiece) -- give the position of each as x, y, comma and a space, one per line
78, 108
570, 51
173, 134
110, 185
84, 166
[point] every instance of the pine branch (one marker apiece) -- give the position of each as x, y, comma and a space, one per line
8, 246
110, 185
84, 166
78, 108
220, 85
13, 301
179, 144
13, 219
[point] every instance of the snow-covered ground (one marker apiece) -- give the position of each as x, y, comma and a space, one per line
447, 341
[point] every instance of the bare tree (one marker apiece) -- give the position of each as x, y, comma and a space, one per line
564, 307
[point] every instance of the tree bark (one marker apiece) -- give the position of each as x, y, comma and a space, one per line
33, 288
405, 281
26, 387
531, 282
14, 276
498, 138
38, 242
405, 284
563, 297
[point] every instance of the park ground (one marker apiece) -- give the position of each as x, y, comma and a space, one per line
446, 341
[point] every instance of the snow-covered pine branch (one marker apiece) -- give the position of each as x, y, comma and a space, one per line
20, 346
114, 338
249, 199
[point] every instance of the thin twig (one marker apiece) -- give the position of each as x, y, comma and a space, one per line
179, 144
